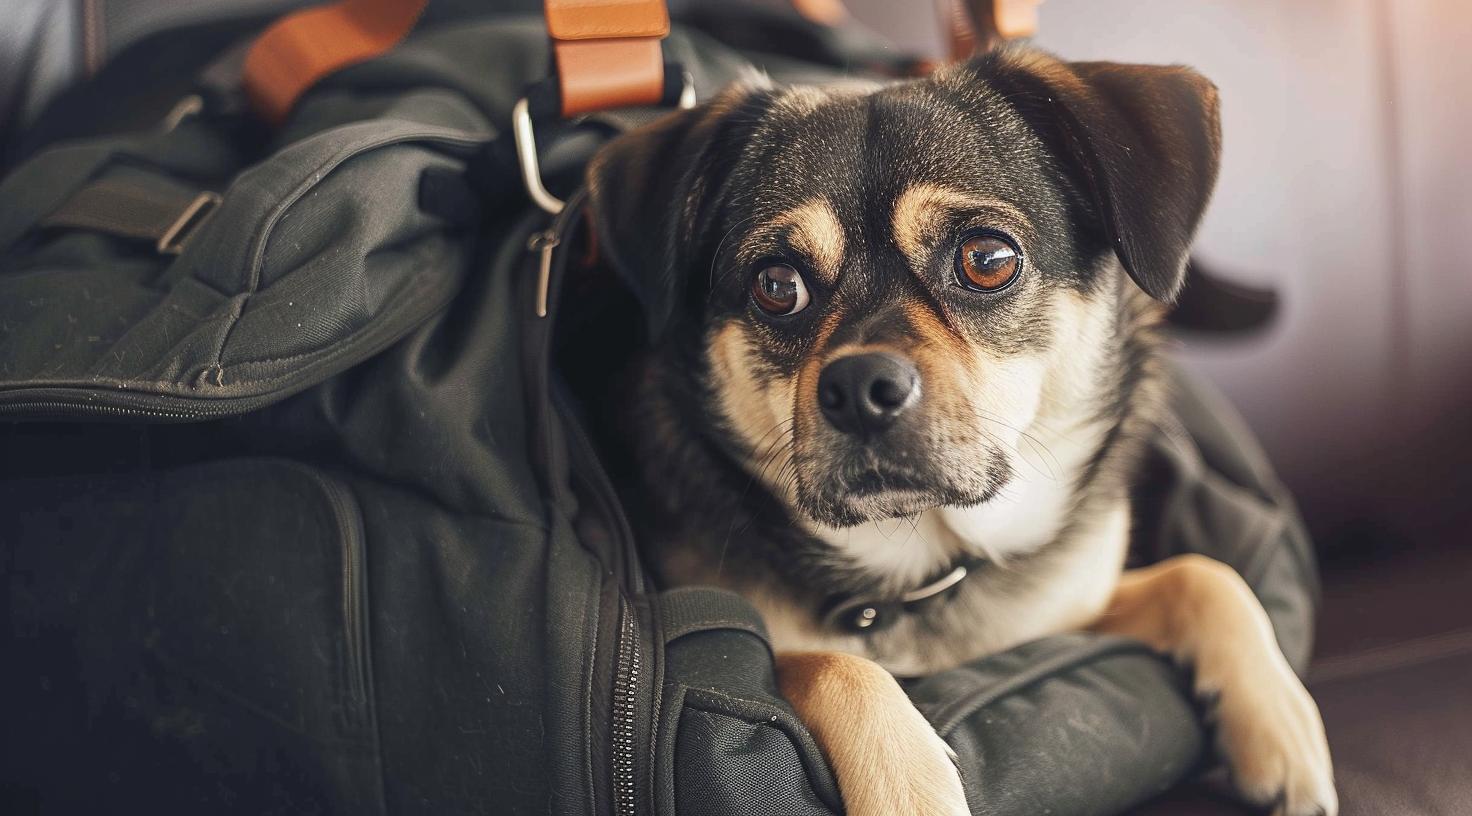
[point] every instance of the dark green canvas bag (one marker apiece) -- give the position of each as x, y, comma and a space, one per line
297, 517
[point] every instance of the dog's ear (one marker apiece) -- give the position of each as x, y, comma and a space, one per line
653, 192
1144, 142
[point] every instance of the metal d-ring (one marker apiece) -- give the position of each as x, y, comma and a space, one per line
526, 148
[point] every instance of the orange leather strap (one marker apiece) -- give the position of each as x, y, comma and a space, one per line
980, 25
823, 12
303, 47
607, 52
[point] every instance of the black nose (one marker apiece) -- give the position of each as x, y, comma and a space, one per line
864, 393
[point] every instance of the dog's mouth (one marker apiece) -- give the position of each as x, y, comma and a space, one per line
876, 481
863, 489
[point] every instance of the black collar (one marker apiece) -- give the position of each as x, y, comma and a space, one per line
865, 615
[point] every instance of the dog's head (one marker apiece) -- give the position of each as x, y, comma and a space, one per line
888, 285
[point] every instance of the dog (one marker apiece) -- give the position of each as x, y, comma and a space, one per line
904, 335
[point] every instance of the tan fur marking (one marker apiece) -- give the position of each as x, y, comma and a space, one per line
922, 208
760, 413
1201, 611
806, 382
815, 231
886, 757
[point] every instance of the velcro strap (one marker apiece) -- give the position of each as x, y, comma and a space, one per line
152, 209
607, 52
298, 50
688, 610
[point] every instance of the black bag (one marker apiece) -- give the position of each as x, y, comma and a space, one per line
300, 519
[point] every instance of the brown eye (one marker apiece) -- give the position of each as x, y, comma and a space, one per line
987, 263
779, 290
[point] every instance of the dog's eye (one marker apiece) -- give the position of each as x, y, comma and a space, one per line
779, 290
987, 263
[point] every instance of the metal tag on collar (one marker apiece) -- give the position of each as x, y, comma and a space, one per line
866, 616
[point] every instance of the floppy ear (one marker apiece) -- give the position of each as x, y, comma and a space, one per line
1144, 140
653, 192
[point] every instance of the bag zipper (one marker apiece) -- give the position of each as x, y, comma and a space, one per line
625, 737
59, 409
68, 403
349, 522
631, 672
351, 525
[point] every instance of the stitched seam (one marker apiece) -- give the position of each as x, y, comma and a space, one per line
948, 717
261, 235
692, 701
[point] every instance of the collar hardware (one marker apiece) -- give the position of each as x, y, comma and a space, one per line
867, 615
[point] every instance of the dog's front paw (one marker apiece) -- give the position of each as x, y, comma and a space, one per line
912, 771
1272, 735
886, 756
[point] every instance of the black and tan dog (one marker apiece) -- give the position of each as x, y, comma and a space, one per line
905, 333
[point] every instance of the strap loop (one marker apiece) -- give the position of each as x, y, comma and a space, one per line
607, 52
688, 610
537, 103
157, 210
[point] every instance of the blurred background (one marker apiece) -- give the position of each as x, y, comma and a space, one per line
1345, 189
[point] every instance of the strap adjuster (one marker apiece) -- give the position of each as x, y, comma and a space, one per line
199, 210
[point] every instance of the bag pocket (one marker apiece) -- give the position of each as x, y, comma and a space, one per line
312, 260
170, 637
728, 742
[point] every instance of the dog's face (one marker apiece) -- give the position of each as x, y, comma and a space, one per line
885, 285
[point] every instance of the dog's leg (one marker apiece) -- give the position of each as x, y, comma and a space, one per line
887, 758
1200, 611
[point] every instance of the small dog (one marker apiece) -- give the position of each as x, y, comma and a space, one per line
906, 333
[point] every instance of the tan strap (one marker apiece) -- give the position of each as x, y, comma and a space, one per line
607, 52
298, 50
971, 26
822, 12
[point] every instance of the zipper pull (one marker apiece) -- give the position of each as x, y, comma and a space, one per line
543, 242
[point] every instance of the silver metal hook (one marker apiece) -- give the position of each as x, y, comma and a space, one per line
526, 147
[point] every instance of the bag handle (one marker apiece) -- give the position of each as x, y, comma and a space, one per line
606, 52
297, 51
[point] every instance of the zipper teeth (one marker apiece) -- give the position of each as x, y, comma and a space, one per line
625, 701
92, 408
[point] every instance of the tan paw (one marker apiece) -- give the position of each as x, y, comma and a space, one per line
912, 771
887, 758
1271, 733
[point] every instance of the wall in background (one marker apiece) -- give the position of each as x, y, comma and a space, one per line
1345, 186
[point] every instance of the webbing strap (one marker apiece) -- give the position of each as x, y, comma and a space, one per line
152, 209
298, 50
702, 609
